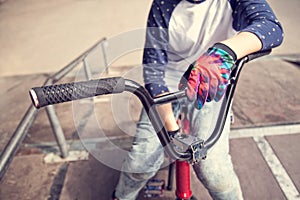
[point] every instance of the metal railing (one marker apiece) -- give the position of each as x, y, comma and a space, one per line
26, 122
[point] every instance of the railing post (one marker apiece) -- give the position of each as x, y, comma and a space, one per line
56, 127
57, 130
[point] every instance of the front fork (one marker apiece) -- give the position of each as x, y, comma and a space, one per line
183, 177
183, 182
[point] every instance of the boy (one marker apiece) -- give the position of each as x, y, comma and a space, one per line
212, 35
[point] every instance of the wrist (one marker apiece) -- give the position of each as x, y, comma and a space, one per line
227, 49
223, 55
171, 125
244, 43
166, 113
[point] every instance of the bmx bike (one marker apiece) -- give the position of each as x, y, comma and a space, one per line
186, 149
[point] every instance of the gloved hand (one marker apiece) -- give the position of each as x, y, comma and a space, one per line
207, 78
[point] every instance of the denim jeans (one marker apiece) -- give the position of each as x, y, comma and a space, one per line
147, 156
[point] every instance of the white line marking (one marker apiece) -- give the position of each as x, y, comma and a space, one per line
265, 131
286, 184
73, 156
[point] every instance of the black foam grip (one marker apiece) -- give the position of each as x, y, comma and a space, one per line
53, 94
258, 54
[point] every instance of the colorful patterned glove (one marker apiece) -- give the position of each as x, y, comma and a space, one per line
207, 78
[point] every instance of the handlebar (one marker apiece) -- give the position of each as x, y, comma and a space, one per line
53, 94
258, 54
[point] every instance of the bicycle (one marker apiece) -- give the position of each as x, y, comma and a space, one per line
191, 150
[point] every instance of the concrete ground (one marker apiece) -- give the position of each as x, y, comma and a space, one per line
264, 138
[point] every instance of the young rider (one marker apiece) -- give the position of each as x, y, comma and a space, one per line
212, 35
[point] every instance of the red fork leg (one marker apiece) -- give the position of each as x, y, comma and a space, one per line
183, 179
183, 186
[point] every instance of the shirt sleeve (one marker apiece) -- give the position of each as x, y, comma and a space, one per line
155, 56
256, 16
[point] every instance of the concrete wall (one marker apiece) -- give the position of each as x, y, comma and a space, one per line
43, 36
38, 36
